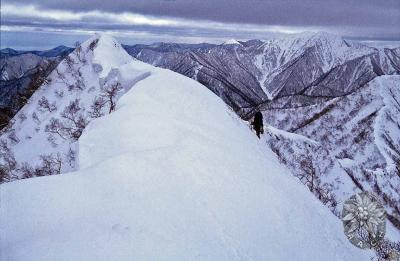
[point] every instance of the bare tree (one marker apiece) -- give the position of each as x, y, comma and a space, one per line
308, 173
51, 165
73, 125
77, 122
96, 109
26, 171
9, 164
55, 126
109, 93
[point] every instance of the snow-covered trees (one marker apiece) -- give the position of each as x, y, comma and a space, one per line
49, 165
69, 98
72, 124
10, 169
8, 164
307, 161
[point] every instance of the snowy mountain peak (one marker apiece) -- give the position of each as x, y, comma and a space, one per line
85, 85
232, 42
107, 52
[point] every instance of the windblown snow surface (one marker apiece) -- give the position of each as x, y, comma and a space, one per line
172, 174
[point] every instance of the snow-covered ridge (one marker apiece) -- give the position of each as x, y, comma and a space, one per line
84, 86
279, 53
170, 174
357, 150
314, 65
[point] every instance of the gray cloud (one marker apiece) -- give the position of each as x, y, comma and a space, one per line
207, 19
274, 12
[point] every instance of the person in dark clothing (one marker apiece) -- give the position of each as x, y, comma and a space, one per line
258, 124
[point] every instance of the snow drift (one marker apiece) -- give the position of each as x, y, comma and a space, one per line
172, 174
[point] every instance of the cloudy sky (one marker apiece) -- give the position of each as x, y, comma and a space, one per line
41, 24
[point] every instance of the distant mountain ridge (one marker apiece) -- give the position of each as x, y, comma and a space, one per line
61, 50
304, 68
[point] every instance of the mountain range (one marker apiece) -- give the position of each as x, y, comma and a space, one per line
331, 107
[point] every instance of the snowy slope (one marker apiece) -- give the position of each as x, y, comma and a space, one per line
358, 141
55, 116
303, 57
172, 174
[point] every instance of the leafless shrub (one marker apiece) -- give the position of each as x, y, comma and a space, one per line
55, 126
77, 121
9, 164
308, 163
50, 165
96, 109
26, 171
73, 125
44, 105
22, 117
308, 175
4, 175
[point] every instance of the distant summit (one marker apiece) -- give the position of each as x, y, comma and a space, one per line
232, 42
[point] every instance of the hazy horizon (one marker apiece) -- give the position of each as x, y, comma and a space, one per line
44, 41
34, 24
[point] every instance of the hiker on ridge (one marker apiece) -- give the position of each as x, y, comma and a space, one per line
258, 124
